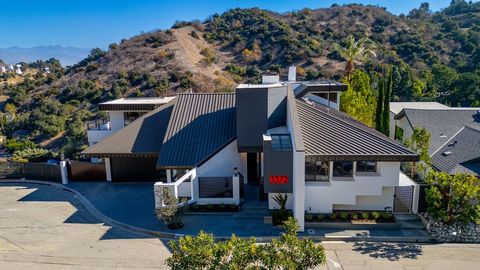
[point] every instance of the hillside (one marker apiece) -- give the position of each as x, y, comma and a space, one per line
435, 56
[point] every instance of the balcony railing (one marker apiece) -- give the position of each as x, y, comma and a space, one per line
100, 124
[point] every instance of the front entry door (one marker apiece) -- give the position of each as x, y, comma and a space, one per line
252, 169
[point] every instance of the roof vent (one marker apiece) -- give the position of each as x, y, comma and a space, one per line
452, 144
447, 153
442, 135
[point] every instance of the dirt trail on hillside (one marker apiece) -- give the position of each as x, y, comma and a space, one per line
187, 52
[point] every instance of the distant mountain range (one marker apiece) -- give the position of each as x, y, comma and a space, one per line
66, 55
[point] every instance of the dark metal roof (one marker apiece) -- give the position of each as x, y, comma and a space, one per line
441, 123
319, 86
128, 107
333, 135
200, 126
143, 137
461, 153
295, 122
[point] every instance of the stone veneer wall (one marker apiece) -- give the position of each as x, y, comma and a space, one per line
453, 233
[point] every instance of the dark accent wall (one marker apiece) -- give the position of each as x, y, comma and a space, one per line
277, 163
257, 110
135, 170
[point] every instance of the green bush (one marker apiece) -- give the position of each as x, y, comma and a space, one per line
375, 215
355, 216
308, 216
210, 206
14, 145
344, 215
320, 217
365, 215
386, 216
286, 252
333, 216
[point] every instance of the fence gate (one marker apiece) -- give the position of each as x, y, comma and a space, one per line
403, 199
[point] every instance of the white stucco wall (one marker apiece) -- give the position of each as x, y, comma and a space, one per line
371, 202
116, 120
321, 196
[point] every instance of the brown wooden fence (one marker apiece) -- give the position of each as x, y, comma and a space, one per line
31, 170
85, 171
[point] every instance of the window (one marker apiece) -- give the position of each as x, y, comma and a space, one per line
129, 117
366, 166
331, 96
343, 168
281, 142
316, 170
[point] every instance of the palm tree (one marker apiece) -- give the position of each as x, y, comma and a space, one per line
354, 50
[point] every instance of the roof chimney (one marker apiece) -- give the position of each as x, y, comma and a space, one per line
292, 74
266, 79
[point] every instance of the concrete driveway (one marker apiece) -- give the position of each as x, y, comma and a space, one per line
42, 227
45, 228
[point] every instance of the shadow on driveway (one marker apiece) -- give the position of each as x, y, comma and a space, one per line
390, 251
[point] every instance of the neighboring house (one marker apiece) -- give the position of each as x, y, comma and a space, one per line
277, 135
455, 136
121, 112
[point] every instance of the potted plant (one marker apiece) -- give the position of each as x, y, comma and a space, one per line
308, 217
172, 210
280, 215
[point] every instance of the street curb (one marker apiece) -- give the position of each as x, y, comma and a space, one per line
172, 236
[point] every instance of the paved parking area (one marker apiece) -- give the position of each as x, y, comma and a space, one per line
42, 227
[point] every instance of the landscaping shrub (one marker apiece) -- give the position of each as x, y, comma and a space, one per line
286, 252
308, 216
344, 215
333, 216
210, 206
365, 215
172, 211
375, 215
282, 214
355, 216
386, 216
320, 217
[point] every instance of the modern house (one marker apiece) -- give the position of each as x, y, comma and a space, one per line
121, 112
455, 133
282, 136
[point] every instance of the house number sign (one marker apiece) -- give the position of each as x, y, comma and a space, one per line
278, 179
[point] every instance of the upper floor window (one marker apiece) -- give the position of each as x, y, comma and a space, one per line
316, 170
343, 168
129, 117
281, 142
330, 96
366, 166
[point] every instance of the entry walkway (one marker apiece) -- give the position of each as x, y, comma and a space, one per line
133, 204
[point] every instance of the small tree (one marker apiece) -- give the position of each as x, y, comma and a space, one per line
419, 143
453, 198
172, 210
286, 252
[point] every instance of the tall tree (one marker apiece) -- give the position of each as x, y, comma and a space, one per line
419, 143
386, 103
379, 109
359, 101
354, 50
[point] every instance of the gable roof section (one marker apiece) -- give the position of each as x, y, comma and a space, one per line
461, 153
142, 138
397, 107
200, 126
441, 123
335, 136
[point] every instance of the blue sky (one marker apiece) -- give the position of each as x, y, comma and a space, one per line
97, 23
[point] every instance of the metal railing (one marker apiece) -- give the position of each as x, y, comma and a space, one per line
100, 124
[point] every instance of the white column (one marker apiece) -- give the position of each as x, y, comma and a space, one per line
236, 189
299, 189
169, 176
108, 169
63, 171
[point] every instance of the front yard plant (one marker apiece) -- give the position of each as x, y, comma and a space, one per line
286, 252
348, 216
282, 214
172, 209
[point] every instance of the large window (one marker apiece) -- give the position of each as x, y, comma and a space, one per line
281, 142
129, 117
366, 166
331, 96
316, 170
343, 169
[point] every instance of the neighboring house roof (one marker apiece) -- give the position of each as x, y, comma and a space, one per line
461, 153
397, 107
333, 135
200, 126
134, 104
441, 123
143, 137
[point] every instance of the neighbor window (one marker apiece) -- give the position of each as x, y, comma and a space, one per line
129, 117
316, 170
343, 168
281, 142
366, 166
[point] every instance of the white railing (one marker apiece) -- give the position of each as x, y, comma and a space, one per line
176, 188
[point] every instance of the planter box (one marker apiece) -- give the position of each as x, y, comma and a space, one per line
358, 225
